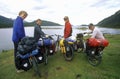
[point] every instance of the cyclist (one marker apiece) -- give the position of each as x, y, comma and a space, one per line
38, 33
96, 33
68, 28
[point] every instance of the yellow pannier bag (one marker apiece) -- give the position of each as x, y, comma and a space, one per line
62, 47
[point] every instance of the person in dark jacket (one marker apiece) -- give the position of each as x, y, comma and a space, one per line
68, 28
18, 34
38, 33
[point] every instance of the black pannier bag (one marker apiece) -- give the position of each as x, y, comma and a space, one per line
79, 35
40, 57
79, 40
23, 63
26, 45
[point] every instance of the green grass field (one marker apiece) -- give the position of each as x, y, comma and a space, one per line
58, 68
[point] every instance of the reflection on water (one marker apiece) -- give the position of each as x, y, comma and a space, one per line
6, 34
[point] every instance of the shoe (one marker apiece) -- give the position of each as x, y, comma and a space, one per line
19, 71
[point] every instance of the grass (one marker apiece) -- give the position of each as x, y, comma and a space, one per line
58, 68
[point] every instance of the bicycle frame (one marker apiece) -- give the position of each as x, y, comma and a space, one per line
65, 47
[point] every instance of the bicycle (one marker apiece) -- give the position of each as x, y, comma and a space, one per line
65, 46
92, 50
45, 44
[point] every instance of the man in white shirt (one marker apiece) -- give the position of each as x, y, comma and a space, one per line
96, 33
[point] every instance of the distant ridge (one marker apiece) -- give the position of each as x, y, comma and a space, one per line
8, 22
5, 22
112, 21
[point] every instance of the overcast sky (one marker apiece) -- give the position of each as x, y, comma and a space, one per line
79, 11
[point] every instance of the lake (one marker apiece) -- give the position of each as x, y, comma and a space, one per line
6, 33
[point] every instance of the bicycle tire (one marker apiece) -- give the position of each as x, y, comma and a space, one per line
35, 66
69, 53
94, 60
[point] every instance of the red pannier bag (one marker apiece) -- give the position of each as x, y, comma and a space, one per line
97, 42
104, 42
93, 42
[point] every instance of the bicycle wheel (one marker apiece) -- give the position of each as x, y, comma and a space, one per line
35, 66
94, 60
69, 53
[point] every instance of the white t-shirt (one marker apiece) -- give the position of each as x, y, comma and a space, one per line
97, 34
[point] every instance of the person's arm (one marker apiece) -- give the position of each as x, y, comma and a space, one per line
39, 30
94, 34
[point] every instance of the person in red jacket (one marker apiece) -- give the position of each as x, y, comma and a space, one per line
68, 28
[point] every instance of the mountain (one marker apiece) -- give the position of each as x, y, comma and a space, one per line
44, 23
112, 21
5, 22
8, 22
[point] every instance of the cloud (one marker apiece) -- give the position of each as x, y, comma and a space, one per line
79, 11
107, 3
39, 7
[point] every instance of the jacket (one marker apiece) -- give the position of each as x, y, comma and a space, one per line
18, 30
38, 33
67, 30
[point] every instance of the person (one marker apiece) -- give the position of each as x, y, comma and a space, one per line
38, 33
68, 28
18, 34
93, 40
96, 33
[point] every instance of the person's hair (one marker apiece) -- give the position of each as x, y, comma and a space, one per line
23, 12
38, 20
66, 18
91, 24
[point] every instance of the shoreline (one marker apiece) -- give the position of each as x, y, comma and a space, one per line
106, 34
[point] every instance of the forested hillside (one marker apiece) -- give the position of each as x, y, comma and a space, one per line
113, 21
8, 22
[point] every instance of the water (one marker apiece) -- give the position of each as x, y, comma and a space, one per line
6, 34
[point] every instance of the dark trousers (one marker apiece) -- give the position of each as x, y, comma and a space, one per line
15, 54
